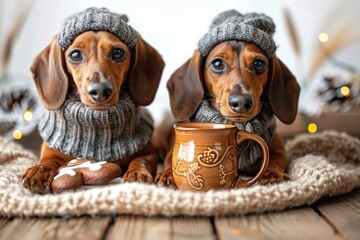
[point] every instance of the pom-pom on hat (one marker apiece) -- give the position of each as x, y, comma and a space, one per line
96, 19
232, 25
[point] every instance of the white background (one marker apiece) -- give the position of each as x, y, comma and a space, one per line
174, 28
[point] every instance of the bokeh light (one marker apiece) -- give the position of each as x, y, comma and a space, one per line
345, 91
323, 37
312, 128
28, 115
17, 134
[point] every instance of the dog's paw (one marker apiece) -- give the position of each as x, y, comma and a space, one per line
138, 176
164, 179
272, 177
38, 179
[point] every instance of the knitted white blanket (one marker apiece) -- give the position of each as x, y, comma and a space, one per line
323, 164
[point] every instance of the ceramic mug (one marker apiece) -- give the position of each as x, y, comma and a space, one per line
205, 156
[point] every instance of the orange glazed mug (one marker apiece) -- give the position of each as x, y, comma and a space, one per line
205, 156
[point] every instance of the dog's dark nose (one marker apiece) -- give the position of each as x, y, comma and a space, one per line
240, 103
100, 91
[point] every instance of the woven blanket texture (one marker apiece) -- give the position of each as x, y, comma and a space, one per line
321, 164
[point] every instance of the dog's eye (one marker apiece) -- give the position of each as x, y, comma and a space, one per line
218, 65
117, 54
259, 65
76, 56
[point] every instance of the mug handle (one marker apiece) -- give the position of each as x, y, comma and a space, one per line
242, 136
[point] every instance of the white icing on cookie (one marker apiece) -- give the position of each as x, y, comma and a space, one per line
70, 170
95, 167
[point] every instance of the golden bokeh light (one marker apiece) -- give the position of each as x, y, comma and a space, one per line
17, 134
345, 91
312, 128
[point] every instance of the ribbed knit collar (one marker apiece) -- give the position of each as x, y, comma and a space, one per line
263, 125
108, 135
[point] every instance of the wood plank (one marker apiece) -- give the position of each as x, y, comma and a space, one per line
3, 222
29, 229
299, 223
55, 228
343, 213
160, 228
83, 228
192, 228
139, 227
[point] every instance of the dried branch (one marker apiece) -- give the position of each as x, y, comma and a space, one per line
290, 25
340, 39
15, 29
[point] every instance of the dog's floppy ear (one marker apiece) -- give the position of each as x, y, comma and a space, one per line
49, 74
186, 87
283, 91
145, 75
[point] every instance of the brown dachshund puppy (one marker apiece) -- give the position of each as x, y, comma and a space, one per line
239, 81
95, 70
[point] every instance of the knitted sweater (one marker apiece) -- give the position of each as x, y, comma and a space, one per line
108, 135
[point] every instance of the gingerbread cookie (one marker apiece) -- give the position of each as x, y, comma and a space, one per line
79, 172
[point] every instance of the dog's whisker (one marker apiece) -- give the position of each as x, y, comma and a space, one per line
125, 87
210, 96
217, 101
208, 100
265, 105
75, 94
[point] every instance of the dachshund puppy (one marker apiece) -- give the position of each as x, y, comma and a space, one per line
93, 80
235, 78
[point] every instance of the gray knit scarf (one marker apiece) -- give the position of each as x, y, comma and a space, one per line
108, 135
263, 125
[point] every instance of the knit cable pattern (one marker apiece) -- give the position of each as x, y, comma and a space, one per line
110, 135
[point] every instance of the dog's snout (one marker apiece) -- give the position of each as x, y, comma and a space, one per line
240, 103
100, 91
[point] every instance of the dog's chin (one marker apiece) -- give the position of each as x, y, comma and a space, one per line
99, 107
242, 119
239, 118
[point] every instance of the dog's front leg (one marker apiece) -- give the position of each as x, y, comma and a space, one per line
142, 167
165, 178
38, 178
278, 163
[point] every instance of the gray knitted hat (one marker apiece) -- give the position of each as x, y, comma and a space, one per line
232, 25
96, 19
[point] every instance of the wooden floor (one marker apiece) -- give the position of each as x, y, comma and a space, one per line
329, 218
